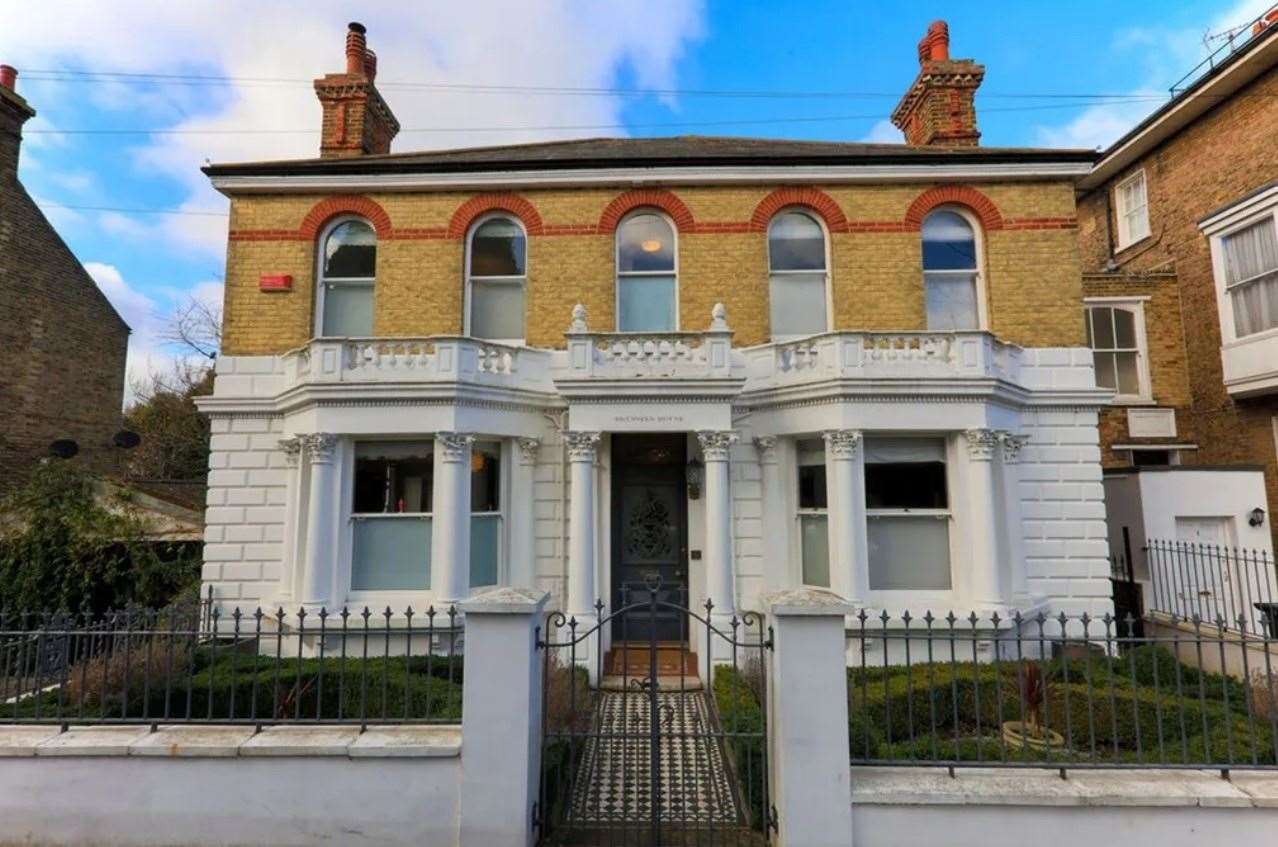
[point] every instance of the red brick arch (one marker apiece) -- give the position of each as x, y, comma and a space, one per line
646, 197
811, 198
482, 204
327, 209
960, 195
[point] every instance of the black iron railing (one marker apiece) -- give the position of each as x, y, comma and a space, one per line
1230, 585
201, 665
1060, 692
1231, 40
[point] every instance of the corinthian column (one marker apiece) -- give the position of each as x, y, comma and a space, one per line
984, 582
319, 572
845, 494
450, 523
294, 503
720, 583
582, 592
776, 554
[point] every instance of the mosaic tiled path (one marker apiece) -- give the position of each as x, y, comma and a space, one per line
613, 783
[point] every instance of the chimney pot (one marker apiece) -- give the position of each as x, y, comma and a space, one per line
8, 76
356, 48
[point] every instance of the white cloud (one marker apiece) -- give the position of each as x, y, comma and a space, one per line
1165, 54
148, 353
884, 132
504, 42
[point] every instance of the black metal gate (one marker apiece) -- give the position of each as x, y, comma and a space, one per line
647, 743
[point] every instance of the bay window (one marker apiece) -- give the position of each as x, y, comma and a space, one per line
485, 512
908, 512
813, 514
391, 515
1250, 263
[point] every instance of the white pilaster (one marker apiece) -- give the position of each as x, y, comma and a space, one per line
720, 582
984, 571
316, 584
1011, 531
294, 518
845, 495
450, 524
776, 574
582, 591
522, 558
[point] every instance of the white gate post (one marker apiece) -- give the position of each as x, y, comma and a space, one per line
808, 719
501, 717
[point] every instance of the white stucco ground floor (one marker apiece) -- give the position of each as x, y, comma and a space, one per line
906, 471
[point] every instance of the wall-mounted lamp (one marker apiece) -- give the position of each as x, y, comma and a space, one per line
1256, 516
694, 478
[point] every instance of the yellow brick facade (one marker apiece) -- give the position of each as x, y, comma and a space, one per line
1032, 271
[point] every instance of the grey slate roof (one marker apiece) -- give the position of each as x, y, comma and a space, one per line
674, 151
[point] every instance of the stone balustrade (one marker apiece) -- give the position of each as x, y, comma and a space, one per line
640, 355
400, 360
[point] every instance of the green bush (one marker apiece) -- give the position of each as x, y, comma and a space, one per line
741, 718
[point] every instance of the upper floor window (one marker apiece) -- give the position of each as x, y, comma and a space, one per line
1250, 264
797, 275
1132, 210
1116, 334
951, 271
348, 263
497, 279
647, 275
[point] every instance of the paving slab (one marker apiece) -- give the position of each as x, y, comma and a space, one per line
92, 741
22, 740
301, 741
407, 741
193, 742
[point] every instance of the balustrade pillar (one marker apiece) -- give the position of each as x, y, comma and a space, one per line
450, 523
318, 576
720, 582
582, 591
845, 496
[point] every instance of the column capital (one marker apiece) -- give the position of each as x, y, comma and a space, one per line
581, 445
981, 443
528, 449
842, 443
319, 446
767, 447
292, 448
715, 444
1012, 444
456, 445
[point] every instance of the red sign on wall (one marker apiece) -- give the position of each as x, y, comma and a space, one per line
275, 282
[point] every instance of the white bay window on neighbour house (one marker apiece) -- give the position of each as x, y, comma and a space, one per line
347, 277
1250, 263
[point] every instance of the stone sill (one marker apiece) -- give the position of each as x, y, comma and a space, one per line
222, 741
927, 786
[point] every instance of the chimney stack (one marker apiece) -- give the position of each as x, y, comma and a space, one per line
939, 109
14, 112
357, 121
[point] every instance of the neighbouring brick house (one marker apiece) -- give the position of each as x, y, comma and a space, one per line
739, 364
64, 344
1180, 270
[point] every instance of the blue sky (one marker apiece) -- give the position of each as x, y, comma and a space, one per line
841, 65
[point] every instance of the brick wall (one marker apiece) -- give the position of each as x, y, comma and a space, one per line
1030, 246
64, 344
1219, 158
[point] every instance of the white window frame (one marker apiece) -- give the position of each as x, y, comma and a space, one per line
510, 280
825, 272
1135, 305
1224, 295
1127, 236
400, 598
618, 274
978, 237
947, 514
796, 544
321, 281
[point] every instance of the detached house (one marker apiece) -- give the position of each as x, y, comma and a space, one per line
734, 365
